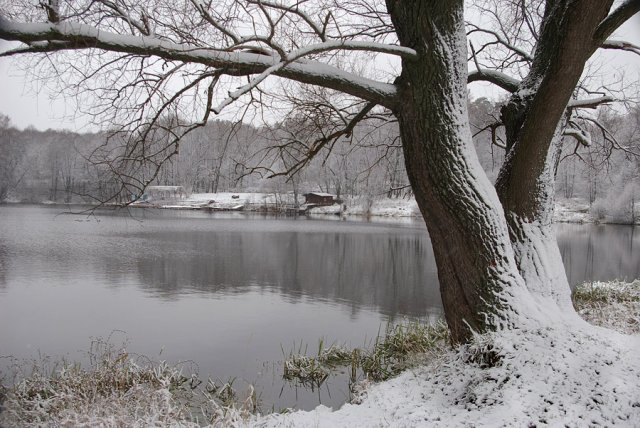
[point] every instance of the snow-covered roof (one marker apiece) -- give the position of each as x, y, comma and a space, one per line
165, 188
319, 194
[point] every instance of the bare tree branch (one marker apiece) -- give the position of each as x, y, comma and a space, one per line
320, 143
615, 19
80, 36
621, 45
501, 40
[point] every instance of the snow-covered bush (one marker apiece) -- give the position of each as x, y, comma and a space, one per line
616, 207
118, 389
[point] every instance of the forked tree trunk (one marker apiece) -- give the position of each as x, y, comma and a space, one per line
479, 281
486, 258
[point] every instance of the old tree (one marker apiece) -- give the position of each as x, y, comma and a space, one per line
498, 263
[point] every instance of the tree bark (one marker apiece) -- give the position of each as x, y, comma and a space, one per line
526, 182
533, 112
479, 282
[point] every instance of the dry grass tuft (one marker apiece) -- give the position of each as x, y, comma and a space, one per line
614, 305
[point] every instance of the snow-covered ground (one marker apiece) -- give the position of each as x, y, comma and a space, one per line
387, 207
572, 211
235, 197
614, 305
568, 374
579, 211
400, 207
362, 206
545, 378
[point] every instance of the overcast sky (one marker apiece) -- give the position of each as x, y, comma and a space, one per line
28, 104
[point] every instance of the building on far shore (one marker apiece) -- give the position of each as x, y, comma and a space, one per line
319, 199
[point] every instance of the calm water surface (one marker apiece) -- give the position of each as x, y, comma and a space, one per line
231, 292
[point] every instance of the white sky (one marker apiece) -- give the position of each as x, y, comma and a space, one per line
28, 104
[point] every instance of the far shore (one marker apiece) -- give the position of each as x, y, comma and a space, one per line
566, 210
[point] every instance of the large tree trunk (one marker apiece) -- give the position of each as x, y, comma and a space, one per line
480, 284
486, 258
525, 184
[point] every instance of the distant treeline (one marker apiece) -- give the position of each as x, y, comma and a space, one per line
602, 166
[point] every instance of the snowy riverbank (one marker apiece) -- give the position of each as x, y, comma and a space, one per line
566, 210
568, 373
350, 206
564, 373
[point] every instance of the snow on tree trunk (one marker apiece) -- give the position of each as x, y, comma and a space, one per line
480, 284
535, 245
526, 181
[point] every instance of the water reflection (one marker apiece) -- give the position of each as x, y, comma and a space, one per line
599, 252
4, 260
371, 270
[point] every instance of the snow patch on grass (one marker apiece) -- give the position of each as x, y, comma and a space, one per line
117, 390
384, 207
579, 211
614, 304
572, 211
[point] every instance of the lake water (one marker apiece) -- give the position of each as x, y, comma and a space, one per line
230, 292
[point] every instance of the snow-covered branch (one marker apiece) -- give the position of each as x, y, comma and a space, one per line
590, 103
67, 35
580, 136
621, 45
300, 53
502, 80
619, 16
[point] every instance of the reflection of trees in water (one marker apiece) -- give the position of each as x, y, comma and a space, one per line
604, 252
390, 271
4, 260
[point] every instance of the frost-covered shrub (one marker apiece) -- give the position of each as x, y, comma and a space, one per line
119, 389
598, 210
616, 207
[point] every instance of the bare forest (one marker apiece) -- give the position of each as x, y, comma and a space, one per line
61, 166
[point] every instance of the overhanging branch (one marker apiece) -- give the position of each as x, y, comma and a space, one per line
579, 135
320, 143
590, 103
76, 36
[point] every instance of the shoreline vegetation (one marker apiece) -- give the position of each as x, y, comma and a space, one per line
566, 210
584, 379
